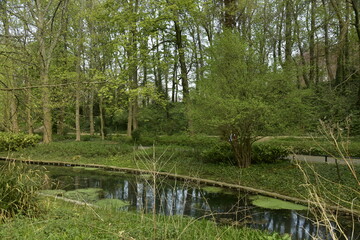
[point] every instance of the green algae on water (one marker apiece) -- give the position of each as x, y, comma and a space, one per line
90, 195
55, 192
210, 189
273, 203
112, 203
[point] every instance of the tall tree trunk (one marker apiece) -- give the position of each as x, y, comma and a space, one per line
355, 6
312, 73
304, 71
229, 21
91, 111
46, 102
10, 74
174, 79
29, 120
288, 31
77, 115
14, 113
101, 116
132, 51
327, 43
181, 53
130, 119
47, 36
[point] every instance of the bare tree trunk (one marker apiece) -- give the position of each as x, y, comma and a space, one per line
242, 151
47, 37
102, 122
77, 116
312, 73
91, 112
13, 113
130, 118
229, 21
288, 32
46, 102
326, 42
355, 6
181, 54
29, 120
174, 80
132, 51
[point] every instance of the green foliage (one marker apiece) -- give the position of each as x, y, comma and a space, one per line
18, 190
112, 203
219, 153
89, 195
239, 96
159, 120
232, 97
76, 150
136, 135
16, 141
317, 146
272, 203
268, 153
197, 141
261, 153
69, 221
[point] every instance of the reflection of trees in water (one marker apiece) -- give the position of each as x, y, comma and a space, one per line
192, 201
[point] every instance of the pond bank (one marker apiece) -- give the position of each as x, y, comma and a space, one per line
186, 178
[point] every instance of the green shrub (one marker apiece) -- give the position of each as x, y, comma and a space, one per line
16, 141
219, 153
18, 190
135, 135
268, 153
261, 153
188, 140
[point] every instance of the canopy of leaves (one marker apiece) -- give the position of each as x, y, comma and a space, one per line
237, 95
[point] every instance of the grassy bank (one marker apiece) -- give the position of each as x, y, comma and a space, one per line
280, 177
65, 220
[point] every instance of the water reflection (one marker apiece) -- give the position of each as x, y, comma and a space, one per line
170, 198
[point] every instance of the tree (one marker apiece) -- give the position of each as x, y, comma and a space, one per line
235, 98
44, 14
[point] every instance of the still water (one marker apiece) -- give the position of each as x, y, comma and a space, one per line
183, 198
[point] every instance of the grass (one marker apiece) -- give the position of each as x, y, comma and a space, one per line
65, 220
18, 190
317, 146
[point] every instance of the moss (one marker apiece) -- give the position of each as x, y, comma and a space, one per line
91, 169
146, 176
272, 203
56, 192
112, 203
212, 189
78, 169
87, 195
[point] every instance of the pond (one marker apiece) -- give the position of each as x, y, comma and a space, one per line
172, 197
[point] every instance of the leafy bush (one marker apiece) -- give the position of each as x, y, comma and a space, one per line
135, 135
195, 141
268, 153
16, 141
219, 153
261, 153
18, 190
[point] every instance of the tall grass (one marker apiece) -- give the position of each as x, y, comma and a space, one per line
18, 190
322, 197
